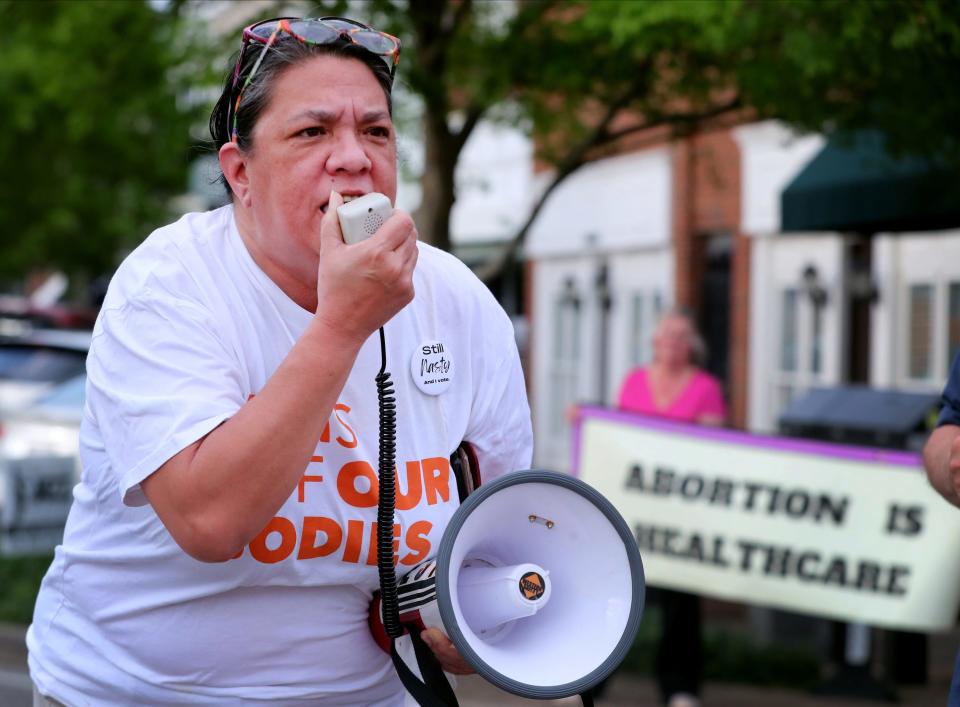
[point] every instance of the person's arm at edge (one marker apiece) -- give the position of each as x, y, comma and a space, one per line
941, 459
710, 420
941, 453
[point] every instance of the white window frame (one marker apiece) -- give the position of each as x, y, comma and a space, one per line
788, 385
640, 338
939, 333
567, 353
946, 343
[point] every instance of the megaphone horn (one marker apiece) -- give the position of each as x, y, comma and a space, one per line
539, 584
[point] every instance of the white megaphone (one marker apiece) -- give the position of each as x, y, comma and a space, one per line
539, 585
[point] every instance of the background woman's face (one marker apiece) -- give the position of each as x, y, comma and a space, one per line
672, 341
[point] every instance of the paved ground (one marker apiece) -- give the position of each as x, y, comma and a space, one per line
626, 690
621, 691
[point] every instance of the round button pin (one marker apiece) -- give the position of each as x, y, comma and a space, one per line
432, 367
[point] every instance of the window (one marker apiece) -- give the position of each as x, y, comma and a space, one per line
646, 307
929, 335
920, 313
789, 344
636, 337
816, 341
40, 364
566, 357
953, 322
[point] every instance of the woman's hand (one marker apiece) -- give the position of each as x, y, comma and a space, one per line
448, 655
360, 287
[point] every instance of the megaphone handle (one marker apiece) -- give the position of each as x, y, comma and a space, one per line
434, 690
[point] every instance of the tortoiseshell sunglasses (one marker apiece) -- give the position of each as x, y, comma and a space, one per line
325, 30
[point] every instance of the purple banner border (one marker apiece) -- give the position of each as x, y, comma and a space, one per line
720, 434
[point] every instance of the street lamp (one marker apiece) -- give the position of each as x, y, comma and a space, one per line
812, 286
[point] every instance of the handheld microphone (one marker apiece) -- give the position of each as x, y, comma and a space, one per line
363, 216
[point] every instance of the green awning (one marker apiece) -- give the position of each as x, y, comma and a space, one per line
854, 184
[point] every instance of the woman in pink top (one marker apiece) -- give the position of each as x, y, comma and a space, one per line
673, 386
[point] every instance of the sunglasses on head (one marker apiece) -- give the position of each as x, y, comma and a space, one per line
325, 30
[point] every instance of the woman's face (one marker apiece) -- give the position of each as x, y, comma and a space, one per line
326, 128
672, 341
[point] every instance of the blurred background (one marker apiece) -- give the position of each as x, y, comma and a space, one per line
787, 171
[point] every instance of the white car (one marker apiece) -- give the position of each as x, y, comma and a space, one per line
42, 384
33, 363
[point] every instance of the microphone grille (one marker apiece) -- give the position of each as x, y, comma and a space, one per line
372, 222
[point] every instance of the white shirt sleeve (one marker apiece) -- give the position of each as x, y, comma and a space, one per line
500, 429
159, 379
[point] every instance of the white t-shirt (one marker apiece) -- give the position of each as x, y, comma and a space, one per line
190, 329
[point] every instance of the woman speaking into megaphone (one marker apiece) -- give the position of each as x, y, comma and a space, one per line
221, 546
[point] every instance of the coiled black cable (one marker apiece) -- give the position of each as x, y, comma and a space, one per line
387, 503
434, 690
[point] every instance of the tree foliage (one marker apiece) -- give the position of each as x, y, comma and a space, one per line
95, 134
586, 75
834, 66
97, 128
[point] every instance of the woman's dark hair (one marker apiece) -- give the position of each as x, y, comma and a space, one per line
285, 52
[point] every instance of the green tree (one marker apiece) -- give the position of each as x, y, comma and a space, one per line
587, 75
95, 137
832, 66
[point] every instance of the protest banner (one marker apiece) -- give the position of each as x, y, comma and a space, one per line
849, 533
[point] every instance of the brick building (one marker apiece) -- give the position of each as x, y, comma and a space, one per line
788, 250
